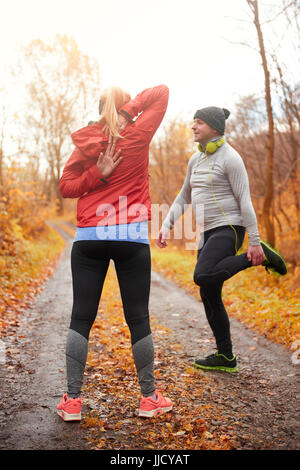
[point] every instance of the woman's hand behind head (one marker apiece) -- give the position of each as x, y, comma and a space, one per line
122, 123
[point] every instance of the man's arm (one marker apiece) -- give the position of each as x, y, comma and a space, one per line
178, 207
238, 178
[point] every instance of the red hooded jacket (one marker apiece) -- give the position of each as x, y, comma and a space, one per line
125, 197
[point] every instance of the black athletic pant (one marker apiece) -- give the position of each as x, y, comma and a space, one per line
216, 262
89, 262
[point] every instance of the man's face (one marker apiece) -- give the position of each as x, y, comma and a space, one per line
202, 131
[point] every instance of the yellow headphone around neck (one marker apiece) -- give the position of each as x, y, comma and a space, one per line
212, 147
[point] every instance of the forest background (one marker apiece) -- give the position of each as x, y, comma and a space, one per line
52, 88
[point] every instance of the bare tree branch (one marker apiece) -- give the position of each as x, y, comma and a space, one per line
283, 10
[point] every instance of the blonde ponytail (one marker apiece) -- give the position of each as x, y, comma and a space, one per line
111, 100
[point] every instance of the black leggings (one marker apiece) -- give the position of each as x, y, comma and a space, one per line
217, 262
89, 263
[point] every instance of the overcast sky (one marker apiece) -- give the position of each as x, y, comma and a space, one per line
185, 44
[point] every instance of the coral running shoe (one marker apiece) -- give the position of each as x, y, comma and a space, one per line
150, 407
69, 409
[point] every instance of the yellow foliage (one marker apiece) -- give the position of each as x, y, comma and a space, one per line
27, 245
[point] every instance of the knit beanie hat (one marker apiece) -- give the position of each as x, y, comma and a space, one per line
214, 117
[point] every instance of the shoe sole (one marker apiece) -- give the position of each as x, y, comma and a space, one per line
69, 416
221, 368
156, 412
278, 265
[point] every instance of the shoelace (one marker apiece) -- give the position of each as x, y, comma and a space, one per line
267, 269
211, 355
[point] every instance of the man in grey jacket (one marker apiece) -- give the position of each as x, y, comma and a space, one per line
217, 180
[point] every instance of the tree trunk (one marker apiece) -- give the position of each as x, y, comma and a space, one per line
269, 182
60, 203
288, 105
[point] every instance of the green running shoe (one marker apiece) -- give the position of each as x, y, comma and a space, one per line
274, 261
217, 361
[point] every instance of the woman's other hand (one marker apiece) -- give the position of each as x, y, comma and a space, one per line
122, 122
108, 161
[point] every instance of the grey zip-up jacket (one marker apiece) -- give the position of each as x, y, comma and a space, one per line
230, 187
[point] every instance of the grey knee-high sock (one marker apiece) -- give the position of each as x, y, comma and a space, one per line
143, 355
76, 354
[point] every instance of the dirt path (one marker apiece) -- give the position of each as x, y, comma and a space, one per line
263, 396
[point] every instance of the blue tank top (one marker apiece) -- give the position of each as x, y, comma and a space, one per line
132, 232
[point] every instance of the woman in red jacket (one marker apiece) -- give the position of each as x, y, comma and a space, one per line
111, 181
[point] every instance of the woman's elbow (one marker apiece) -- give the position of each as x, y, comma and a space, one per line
66, 192
165, 93
164, 88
